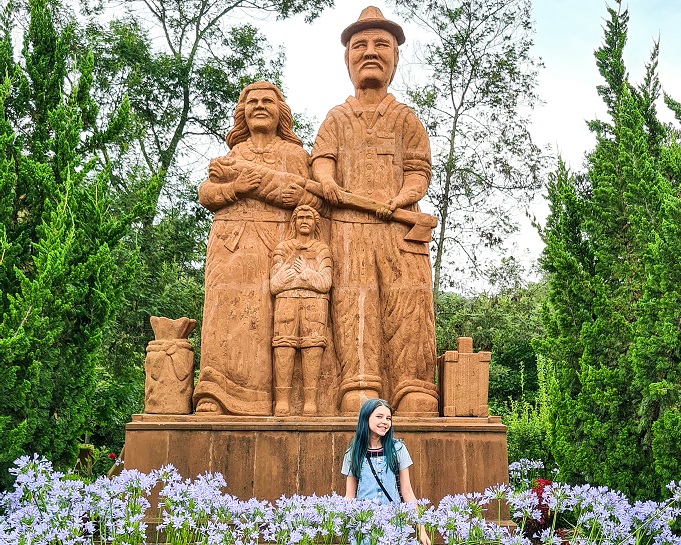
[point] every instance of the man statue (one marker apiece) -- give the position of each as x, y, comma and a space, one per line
300, 280
382, 304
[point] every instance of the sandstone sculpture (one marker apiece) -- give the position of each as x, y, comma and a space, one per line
169, 367
371, 166
300, 281
250, 219
381, 304
464, 380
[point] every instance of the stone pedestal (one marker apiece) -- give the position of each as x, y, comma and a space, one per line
265, 457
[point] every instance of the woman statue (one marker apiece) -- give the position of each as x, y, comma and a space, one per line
251, 217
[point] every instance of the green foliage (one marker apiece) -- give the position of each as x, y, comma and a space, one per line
62, 275
505, 324
93, 462
529, 427
168, 282
527, 433
480, 82
667, 445
613, 307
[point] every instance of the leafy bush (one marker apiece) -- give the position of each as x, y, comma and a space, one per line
527, 434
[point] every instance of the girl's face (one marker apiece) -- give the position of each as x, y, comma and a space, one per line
380, 421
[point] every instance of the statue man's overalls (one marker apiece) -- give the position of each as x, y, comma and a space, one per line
382, 305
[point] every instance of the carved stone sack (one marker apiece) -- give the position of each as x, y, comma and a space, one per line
169, 367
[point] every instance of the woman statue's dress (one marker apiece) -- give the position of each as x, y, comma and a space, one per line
236, 338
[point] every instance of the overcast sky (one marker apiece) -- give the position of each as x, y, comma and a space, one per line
567, 33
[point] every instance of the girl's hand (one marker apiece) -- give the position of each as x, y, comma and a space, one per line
422, 535
350, 487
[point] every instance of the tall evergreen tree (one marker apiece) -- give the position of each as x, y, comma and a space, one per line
612, 315
61, 273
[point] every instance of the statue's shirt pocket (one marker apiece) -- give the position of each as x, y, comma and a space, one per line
385, 143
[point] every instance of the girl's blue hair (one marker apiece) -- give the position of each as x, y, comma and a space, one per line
360, 442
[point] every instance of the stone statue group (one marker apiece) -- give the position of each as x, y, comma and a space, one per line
310, 257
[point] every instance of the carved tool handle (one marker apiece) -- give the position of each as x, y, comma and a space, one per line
365, 204
351, 200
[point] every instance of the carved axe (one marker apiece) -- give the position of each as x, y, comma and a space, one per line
421, 224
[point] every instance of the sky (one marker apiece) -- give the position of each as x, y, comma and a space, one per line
567, 32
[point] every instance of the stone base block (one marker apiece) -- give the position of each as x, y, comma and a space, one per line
265, 457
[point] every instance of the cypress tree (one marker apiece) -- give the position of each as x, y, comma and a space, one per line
62, 273
612, 316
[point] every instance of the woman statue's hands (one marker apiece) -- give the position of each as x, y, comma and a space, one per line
292, 194
247, 181
223, 170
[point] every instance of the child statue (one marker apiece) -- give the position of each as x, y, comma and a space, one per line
300, 280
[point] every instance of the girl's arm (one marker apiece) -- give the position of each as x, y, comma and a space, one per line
408, 496
351, 487
405, 487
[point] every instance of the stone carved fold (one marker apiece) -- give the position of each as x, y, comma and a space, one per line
169, 367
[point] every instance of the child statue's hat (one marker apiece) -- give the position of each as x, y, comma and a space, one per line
372, 17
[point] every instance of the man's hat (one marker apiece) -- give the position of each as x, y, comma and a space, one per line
372, 17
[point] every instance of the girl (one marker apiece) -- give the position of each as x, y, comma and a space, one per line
375, 464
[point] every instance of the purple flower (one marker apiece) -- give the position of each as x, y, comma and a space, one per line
46, 506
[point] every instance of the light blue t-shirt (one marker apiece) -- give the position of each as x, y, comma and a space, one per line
403, 458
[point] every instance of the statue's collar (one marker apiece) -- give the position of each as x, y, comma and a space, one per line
358, 109
299, 245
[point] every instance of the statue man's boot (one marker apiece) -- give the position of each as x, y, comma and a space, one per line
352, 401
355, 390
415, 399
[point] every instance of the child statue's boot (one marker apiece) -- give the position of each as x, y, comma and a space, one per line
282, 401
310, 401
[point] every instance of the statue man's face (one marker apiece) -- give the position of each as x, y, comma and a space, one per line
262, 111
305, 222
371, 58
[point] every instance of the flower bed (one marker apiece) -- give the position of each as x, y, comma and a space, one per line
48, 507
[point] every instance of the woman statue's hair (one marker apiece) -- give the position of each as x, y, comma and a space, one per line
360, 442
240, 132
